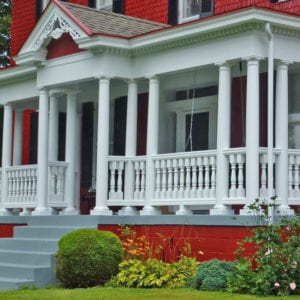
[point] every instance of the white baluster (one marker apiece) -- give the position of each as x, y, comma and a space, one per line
290, 172
187, 178
170, 179
200, 177
213, 177
296, 176
163, 179
241, 189
112, 185
263, 178
120, 179
181, 178
23, 178
158, 179
137, 179
232, 190
175, 185
143, 180
194, 177
206, 177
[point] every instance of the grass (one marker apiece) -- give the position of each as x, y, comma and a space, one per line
125, 294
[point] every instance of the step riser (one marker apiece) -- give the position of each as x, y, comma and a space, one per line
22, 273
5, 286
76, 221
41, 233
26, 258
28, 245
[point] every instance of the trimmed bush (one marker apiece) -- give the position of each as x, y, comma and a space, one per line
212, 275
88, 257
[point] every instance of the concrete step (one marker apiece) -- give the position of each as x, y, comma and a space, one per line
43, 232
21, 244
76, 221
27, 258
13, 283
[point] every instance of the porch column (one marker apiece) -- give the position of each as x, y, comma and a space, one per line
152, 145
42, 168
281, 138
102, 149
17, 152
130, 146
223, 140
53, 127
71, 156
252, 133
6, 155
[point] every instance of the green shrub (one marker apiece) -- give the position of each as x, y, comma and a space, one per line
155, 274
88, 257
212, 275
274, 268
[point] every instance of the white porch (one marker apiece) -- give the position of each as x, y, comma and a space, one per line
188, 170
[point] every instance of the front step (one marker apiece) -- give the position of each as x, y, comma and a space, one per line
27, 259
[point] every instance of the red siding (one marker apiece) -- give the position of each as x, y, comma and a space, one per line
153, 10
26, 135
215, 241
7, 230
224, 6
65, 45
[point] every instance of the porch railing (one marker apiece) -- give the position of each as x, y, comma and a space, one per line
22, 186
294, 177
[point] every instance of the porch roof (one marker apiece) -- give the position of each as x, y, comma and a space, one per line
109, 23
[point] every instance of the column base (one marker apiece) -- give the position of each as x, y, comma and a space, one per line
128, 211
26, 212
284, 210
221, 210
5, 212
246, 211
69, 211
42, 211
150, 211
183, 211
101, 211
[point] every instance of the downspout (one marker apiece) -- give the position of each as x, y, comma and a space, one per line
270, 119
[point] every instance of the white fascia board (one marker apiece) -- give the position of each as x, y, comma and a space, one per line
215, 23
187, 30
14, 73
31, 57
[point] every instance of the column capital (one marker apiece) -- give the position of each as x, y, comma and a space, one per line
283, 63
253, 58
152, 77
130, 80
42, 90
224, 64
103, 76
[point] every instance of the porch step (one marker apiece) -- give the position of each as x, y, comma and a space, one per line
28, 258
43, 232
14, 283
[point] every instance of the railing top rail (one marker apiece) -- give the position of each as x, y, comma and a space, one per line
264, 150
239, 150
294, 152
126, 158
22, 167
185, 154
58, 163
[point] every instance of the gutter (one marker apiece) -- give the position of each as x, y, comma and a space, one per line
269, 33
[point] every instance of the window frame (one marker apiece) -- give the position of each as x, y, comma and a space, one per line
108, 7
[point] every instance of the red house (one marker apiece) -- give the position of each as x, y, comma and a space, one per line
142, 108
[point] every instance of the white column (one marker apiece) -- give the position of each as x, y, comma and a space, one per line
152, 144
252, 133
6, 155
130, 146
95, 132
71, 126
78, 156
102, 149
281, 138
42, 168
17, 152
223, 140
53, 127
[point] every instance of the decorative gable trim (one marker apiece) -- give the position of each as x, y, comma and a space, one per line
53, 23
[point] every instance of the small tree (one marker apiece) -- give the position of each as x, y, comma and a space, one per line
5, 13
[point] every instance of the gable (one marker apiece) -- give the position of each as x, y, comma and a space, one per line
65, 45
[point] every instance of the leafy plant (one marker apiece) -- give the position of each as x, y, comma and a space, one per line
88, 257
212, 275
274, 268
154, 273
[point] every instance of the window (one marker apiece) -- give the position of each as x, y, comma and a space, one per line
104, 4
40, 5
194, 9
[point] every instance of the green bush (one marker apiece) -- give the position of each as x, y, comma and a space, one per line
212, 275
155, 274
274, 268
88, 257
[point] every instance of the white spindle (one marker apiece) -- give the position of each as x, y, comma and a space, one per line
290, 179
120, 176
170, 179
143, 179
200, 177
232, 191
181, 177
296, 176
158, 179
241, 189
175, 187
206, 177
163, 179
187, 177
213, 177
194, 177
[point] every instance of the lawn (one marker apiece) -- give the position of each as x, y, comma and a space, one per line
125, 294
